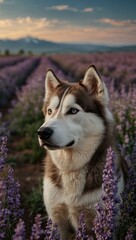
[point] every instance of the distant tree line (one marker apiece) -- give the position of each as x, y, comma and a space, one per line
21, 52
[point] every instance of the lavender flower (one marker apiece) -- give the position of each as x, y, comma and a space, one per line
129, 235
13, 196
37, 231
104, 223
3, 152
9, 195
51, 231
4, 212
55, 233
81, 233
48, 229
19, 231
128, 206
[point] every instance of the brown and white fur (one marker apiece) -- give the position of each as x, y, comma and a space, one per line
77, 131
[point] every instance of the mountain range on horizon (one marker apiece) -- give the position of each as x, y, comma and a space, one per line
39, 46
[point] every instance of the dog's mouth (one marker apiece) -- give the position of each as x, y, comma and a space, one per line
70, 144
53, 146
49, 145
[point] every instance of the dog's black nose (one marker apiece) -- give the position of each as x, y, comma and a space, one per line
45, 133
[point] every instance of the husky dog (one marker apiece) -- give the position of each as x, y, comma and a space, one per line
77, 131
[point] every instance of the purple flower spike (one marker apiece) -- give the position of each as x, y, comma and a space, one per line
51, 231
128, 205
19, 231
81, 231
129, 235
13, 195
36, 228
4, 212
55, 233
104, 223
9, 195
3, 152
48, 229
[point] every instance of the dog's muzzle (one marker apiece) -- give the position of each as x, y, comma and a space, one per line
45, 135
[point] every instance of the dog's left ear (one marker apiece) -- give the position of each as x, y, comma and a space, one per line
95, 85
51, 82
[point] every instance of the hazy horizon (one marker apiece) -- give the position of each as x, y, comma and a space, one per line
82, 43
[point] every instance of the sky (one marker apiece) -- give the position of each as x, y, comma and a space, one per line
111, 22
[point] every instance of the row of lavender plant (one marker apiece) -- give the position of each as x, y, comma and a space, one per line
123, 105
106, 226
10, 60
13, 77
118, 66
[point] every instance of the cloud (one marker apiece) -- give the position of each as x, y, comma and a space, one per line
88, 9
68, 8
62, 8
20, 27
63, 31
7, 2
118, 23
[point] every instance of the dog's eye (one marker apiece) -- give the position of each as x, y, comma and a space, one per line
49, 111
72, 111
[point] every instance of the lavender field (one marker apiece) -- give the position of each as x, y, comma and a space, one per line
22, 214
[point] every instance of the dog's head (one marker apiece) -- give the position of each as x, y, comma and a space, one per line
73, 112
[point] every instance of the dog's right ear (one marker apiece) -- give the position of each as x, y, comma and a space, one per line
95, 85
51, 82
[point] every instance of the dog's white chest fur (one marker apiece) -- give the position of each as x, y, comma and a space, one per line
73, 185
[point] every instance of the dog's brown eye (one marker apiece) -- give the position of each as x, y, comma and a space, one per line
49, 111
72, 111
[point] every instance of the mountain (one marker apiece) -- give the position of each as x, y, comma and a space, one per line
39, 46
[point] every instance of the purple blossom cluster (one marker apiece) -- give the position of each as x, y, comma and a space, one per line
123, 105
129, 235
3, 211
3, 152
20, 231
51, 231
81, 233
10, 206
128, 205
104, 223
37, 231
